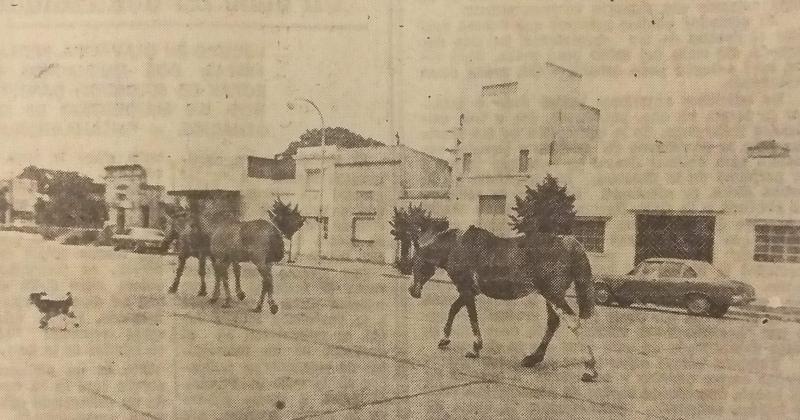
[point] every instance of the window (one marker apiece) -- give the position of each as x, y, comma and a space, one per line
313, 180
590, 233
365, 229
648, 269
524, 159
466, 163
671, 269
492, 213
777, 244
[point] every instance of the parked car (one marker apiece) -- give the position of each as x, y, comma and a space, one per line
695, 285
139, 240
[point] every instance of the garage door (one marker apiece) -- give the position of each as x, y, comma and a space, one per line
667, 236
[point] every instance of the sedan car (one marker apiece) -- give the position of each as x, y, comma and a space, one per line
694, 285
139, 240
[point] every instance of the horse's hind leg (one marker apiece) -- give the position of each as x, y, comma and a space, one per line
477, 345
563, 309
178, 273
553, 322
265, 269
201, 271
237, 275
448, 326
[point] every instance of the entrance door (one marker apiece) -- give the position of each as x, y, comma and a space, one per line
145, 216
492, 214
667, 236
120, 220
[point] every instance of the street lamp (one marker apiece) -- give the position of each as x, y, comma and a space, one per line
291, 106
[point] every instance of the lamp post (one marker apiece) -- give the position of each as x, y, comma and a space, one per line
291, 106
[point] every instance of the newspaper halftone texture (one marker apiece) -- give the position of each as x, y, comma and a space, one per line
296, 209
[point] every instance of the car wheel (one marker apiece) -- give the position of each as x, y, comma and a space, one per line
718, 311
602, 294
698, 305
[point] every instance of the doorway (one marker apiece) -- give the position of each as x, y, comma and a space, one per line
669, 236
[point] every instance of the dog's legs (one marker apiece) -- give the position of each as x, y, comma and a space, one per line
43, 322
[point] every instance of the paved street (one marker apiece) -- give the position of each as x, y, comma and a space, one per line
355, 346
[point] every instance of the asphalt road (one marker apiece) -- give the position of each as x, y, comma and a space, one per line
355, 346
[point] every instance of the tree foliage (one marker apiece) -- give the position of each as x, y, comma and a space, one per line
71, 201
407, 226
287, 218
339, 136
546, 209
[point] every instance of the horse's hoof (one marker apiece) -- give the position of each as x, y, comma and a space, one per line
589, 377
241, 295
471, 355
532, 360
212, 301
443, 343
256, 310
273, 309
202, 293
227, 304
172, 290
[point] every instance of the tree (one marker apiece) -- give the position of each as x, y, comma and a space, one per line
407, 226
4, 204
71, 201
339, 136
288, 219
547, 209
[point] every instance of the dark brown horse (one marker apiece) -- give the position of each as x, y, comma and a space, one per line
192, 241
231, 242
478, 262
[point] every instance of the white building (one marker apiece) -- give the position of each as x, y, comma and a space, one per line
130, 200
717, 202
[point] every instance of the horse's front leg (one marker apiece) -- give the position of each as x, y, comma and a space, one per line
477, 344
201, 271
265, 269
237, 275
178, 274
563, 309
448, 326
217, 281
537, 356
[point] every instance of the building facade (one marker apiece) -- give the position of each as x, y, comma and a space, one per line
731, 205
356, 196
130, 200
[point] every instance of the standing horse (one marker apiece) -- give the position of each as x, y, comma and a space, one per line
192, 241
478, 262
231, 242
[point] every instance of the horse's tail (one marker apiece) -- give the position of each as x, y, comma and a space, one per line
584, 283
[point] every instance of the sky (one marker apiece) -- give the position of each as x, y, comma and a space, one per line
91, 83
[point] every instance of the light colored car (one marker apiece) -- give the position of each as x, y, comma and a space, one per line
139, 240
695, 285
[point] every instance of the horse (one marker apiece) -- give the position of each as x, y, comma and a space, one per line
192, 241
479, 262
232, 241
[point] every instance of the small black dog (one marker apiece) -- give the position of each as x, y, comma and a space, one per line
52, 308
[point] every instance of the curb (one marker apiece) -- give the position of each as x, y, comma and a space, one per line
787, 314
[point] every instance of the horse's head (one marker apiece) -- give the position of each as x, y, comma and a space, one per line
423, 269
433, 252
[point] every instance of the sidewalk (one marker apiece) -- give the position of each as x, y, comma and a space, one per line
759, 309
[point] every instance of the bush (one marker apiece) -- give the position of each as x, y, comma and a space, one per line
51, 232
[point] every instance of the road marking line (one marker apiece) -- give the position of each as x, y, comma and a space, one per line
101, 395
395, 398
416, 364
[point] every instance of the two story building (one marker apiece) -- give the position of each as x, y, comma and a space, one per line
130, 200
722, 202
